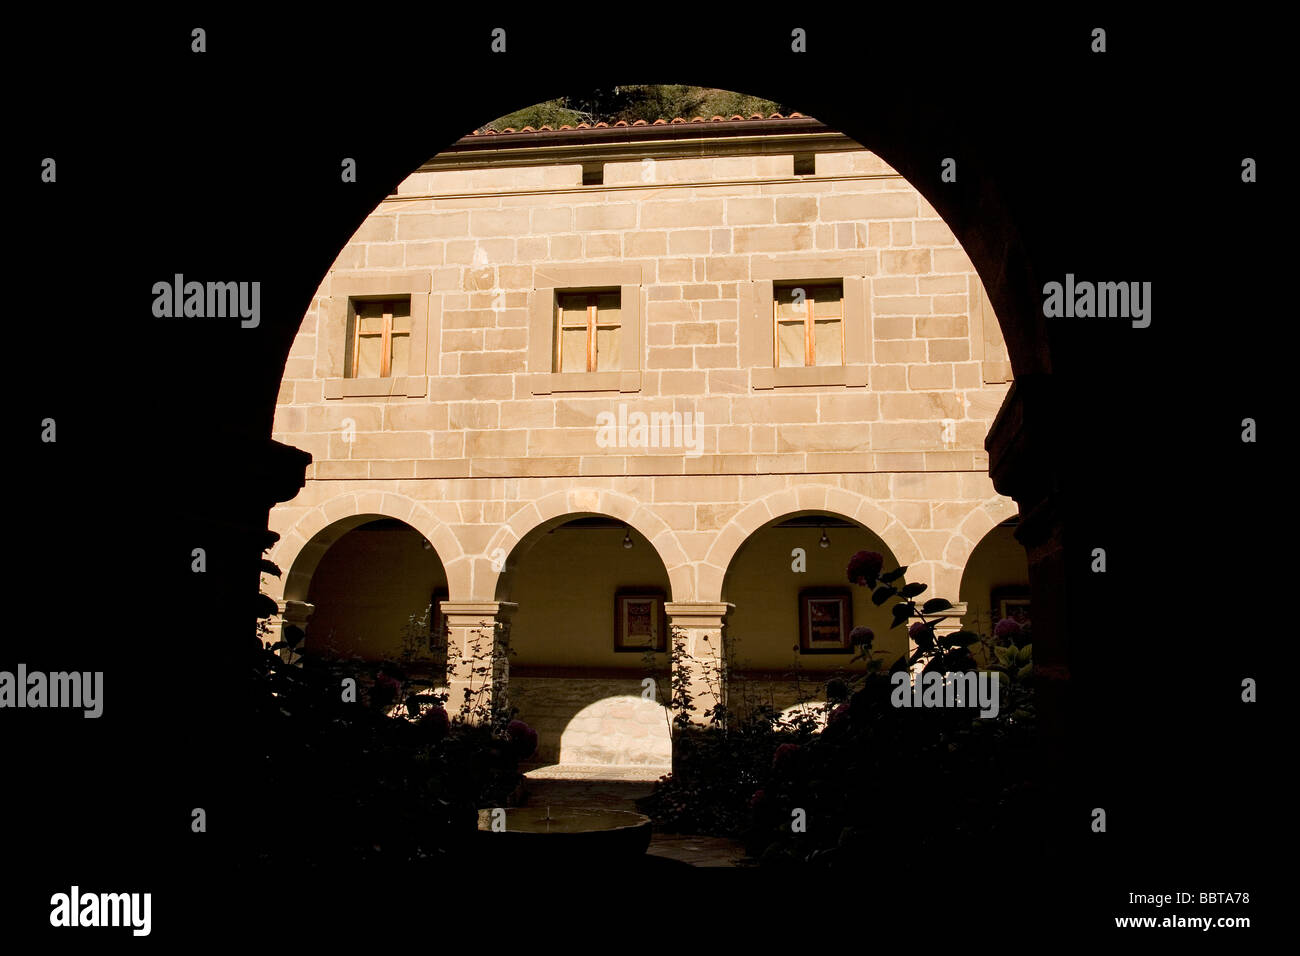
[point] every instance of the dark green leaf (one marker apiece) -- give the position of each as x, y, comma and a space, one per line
912, 590
959, 660
901, 613
882, 594
924, 637
934, 605
894, 575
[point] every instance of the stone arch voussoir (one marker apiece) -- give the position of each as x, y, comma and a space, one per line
533, 518
982, 519
711, 573
301, 547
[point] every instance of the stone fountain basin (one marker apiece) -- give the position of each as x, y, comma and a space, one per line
569, 832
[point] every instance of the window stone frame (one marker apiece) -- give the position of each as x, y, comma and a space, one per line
756, 331
425, 323
553, 278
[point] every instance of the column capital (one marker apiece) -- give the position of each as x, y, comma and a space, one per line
949, 620
958, 609
477, 610
698, 613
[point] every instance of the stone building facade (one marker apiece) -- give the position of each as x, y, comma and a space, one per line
707, 358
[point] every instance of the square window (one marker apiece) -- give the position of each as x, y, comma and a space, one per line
806, 321
376, 329
378, 340
809, 324
584, 328
588, 326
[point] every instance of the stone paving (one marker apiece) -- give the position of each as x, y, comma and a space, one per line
616, 788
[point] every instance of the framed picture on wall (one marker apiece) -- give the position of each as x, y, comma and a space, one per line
1012, 602
437, 626
825, 620
640, 621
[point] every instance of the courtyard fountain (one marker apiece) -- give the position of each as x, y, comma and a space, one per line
547, 832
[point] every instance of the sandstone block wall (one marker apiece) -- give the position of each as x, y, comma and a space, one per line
474, 442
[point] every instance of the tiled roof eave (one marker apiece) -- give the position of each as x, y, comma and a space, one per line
660, 131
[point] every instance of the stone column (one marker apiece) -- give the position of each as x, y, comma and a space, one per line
947, 622
295, 614
478, 642
701, 626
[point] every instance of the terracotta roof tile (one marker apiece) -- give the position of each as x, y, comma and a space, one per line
675, 121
